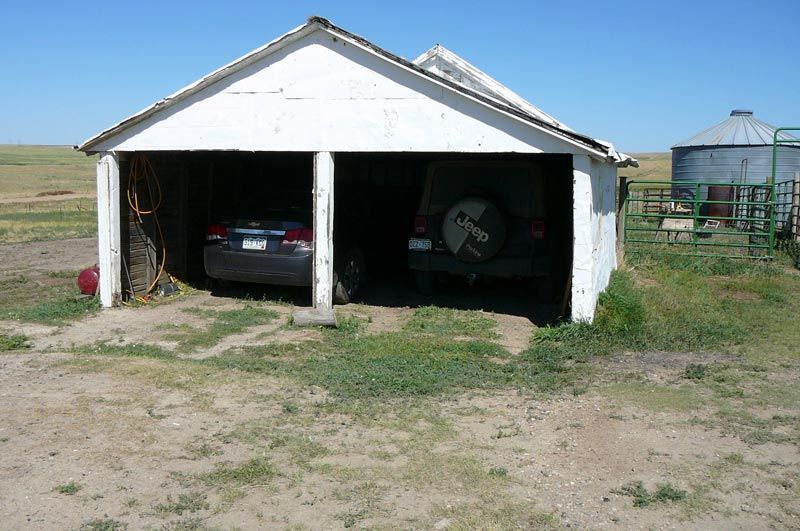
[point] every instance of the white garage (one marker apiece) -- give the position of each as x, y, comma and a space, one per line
324, 93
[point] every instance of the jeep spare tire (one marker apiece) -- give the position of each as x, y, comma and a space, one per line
473, 229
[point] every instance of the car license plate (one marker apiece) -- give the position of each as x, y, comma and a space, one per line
416, 244
254, 244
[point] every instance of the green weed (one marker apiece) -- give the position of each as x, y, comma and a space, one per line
105, 524
257, 471
696, 371
13, 342
664, 493
68, 488
498, 471
191, 503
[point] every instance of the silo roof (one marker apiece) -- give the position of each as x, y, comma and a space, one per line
741, 128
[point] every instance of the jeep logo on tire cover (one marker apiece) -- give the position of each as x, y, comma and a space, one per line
463, 220
473, 230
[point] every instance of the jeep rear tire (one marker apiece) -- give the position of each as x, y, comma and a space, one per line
474, 230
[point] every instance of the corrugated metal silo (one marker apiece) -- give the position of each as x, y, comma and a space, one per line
736, 150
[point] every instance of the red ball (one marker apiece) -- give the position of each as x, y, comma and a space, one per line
88, 280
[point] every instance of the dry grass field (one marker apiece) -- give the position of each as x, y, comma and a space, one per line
652, 167
46, 193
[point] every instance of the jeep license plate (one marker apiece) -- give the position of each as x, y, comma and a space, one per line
416, 244
254, 244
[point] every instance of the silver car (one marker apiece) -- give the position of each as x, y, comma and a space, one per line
274, 248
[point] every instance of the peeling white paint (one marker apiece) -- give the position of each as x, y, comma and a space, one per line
318, 94
594, 219
108, 229
323, 231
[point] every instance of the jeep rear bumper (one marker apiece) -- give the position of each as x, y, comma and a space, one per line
499, 266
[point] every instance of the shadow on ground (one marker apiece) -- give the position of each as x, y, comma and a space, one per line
503, 296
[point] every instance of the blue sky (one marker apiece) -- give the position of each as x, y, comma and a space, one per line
641, 74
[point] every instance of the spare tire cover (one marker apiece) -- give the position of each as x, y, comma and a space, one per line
473, 229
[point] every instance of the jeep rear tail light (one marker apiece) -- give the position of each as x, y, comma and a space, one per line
537, 229
303, 237
216, 232
420, 225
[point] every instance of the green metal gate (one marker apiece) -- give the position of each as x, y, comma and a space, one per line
701, 219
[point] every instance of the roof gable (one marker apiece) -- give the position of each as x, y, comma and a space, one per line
205, 115
444, 63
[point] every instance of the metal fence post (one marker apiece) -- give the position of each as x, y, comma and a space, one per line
696, 216
622, 195
794, 216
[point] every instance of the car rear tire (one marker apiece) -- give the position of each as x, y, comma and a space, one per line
348, 277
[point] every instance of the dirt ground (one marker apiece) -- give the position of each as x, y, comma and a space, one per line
146, 443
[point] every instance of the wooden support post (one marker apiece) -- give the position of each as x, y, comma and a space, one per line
322, 288
108, 233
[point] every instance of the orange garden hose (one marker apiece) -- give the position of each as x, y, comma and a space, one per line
142, 173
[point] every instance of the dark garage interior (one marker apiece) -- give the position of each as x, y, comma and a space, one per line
376, 198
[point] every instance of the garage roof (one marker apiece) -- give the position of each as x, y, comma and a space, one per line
438, 65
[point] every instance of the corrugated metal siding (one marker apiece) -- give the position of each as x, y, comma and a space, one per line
724, 164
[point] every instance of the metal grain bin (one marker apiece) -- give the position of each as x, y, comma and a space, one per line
736, 150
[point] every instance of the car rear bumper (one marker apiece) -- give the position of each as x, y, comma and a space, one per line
295, 269
502, 266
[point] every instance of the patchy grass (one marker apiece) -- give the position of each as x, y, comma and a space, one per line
223, 323
186, 503
256, 471
13, 342
664, 493
48, 298
132, 350
59, 310
498, 515
68, 488
446, 322
103, 524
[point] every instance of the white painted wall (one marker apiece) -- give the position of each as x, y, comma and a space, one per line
604, 223
320, 94
594, 219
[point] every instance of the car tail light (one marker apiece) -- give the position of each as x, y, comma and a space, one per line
420, 225
303, 237
216, 232
537, 229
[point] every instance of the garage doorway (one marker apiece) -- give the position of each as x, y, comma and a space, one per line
377, 198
